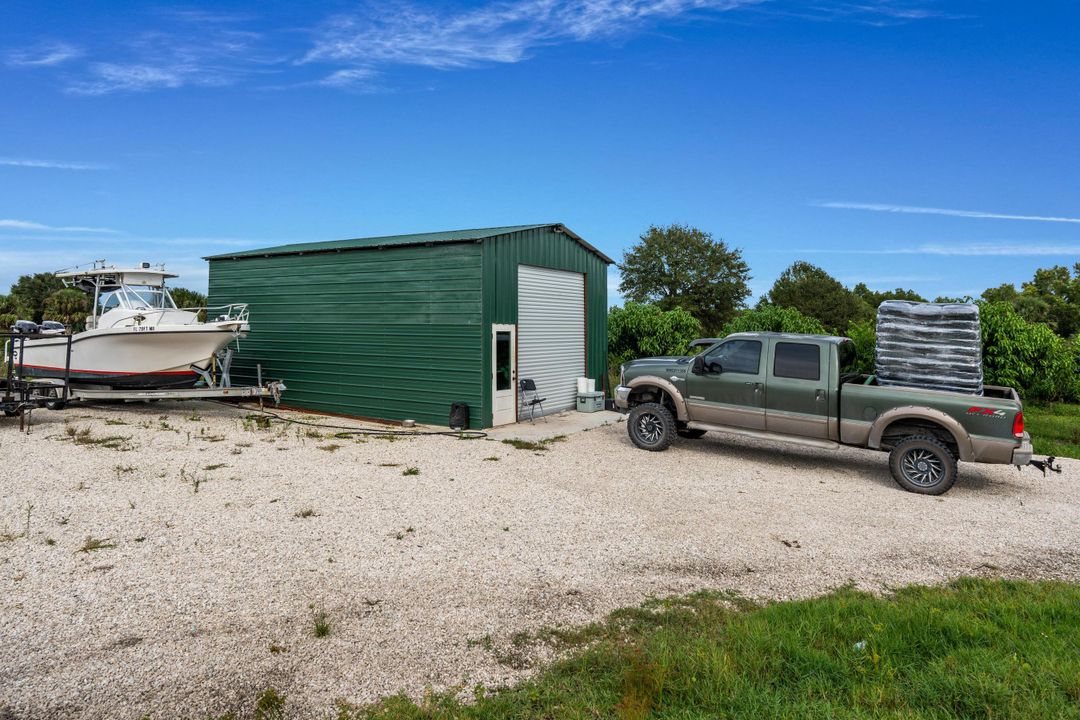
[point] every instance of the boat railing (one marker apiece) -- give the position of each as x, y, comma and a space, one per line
234, 312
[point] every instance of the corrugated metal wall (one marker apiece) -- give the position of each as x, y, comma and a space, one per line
393, 333
551, 333
543, 247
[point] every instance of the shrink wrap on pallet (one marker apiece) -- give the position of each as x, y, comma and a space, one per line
929, 345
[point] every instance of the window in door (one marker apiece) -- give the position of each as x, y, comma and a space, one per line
735, 356
502, 360
797, 360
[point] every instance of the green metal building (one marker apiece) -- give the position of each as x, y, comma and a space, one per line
401, 327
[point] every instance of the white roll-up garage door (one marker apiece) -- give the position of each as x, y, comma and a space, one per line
551, 333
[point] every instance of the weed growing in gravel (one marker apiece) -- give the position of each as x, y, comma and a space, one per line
85, 436
235, 451
49, 541
194, 416
115, 422
544, 444
215, 466
493, 458
411, 471
163, 424
306, 513
93, 543
321, 623
270, 706
329, 447
278, 649
123, 470
400, 535
243, 444
313, 434
389, 464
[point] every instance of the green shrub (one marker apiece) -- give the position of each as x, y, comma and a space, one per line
639, 330
773, 318
1027, 356
864, 334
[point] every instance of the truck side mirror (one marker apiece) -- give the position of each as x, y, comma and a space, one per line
698, 367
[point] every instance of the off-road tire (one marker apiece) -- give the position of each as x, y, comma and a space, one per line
651, 427
689, 434
922, 464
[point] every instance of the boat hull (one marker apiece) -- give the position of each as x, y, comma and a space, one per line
128, 357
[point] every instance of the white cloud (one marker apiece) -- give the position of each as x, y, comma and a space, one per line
203, 50
917, 210
52, 164
211, 49
351, 78
499, 32
1004, 249
43, 55
30, 225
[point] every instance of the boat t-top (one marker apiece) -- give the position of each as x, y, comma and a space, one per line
135, 337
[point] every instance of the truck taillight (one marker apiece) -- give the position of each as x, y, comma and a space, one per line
1018, 426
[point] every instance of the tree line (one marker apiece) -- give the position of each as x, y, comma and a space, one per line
42, 296
680, 284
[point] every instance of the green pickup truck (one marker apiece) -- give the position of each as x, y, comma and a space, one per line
802, 389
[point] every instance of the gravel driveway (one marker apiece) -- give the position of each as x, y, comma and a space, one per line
222, 541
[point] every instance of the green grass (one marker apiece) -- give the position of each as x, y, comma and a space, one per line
1054, 428
974, 649
539, 445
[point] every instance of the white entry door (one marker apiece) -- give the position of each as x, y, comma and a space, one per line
503, 374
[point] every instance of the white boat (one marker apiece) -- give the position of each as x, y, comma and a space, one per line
136, 336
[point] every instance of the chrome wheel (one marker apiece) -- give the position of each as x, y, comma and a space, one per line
922, 467
650, 429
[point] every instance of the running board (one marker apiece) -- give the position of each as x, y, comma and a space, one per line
763, 435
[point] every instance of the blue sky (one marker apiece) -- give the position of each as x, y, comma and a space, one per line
925, 144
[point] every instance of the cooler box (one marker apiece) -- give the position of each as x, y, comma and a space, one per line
590, 401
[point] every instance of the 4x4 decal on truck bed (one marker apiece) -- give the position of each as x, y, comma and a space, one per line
987, 412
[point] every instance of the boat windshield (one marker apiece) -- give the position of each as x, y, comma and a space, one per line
135, 298
156, 298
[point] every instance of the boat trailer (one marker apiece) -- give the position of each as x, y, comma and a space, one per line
20, 394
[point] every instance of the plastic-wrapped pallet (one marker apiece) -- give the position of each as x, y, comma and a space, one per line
929, 345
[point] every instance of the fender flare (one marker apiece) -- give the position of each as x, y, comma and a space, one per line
668, 387
915, 412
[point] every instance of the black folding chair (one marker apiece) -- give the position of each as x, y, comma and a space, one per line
530, 398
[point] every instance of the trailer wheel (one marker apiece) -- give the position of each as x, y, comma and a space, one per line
922, 464
651, 427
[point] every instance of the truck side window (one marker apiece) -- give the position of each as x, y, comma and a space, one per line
848, 359
797, 360
735, 356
